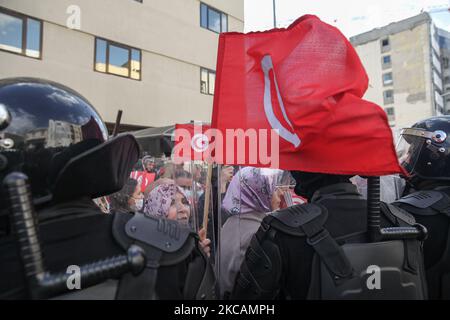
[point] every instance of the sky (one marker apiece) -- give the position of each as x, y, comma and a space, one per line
352, 17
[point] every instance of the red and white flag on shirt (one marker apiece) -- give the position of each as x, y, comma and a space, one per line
307, 82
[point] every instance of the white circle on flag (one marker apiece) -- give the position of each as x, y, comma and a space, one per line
199, 142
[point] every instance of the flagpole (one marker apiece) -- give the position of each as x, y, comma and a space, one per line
207, 198
274, 14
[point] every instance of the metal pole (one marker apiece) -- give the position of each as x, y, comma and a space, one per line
117, 124
219, 223
274, 14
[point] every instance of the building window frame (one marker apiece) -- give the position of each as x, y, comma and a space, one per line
208, 72
386, 65
107, 53
24, 18
390, 113
445, 63
388, 99
221, 14
385, 47
387, 82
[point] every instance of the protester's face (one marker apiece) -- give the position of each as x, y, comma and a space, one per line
179, 209
149, 166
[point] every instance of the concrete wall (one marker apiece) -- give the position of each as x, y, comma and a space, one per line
411, 66
411, 70
168, 32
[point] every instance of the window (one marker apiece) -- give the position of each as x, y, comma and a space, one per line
390, 111
118, 59
20, 34
387, 79
390, 114
207, 81
386, 62
385, 45
445, 62
213, 19
388, 96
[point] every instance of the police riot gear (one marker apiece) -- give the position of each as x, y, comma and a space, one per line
322, 250
424, 151
55, 158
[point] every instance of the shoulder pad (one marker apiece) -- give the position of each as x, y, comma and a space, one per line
422, 199
300, 214
166, 235
399, 216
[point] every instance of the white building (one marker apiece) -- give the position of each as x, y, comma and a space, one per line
404, 65
154, 59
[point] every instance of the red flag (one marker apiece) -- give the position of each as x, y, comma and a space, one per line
307, 82
192, 142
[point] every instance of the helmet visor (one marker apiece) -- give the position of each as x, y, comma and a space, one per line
409, 148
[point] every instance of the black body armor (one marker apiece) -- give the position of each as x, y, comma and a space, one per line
321, 251
431, 208
176, 267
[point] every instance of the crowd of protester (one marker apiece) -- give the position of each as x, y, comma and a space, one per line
159, 187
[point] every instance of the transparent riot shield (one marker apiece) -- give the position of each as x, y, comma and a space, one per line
131, 197
285, 185
252, 194
162, 195
391, 187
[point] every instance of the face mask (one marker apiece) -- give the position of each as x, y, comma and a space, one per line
138, 204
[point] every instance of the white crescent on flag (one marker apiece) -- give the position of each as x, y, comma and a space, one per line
266, 65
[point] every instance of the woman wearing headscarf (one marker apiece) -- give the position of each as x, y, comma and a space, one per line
168, 201
180, 273
250, 197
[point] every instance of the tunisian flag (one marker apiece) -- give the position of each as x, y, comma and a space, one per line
307, 82
192, 142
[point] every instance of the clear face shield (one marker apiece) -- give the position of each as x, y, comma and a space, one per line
285, 186
410, 145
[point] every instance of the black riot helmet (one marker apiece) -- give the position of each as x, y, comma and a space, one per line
56, 137
424, 149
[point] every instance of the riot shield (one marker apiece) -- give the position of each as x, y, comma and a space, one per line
252, 194
391, 187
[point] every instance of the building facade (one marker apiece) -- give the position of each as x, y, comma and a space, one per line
154, 59
404, 63
444, 44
